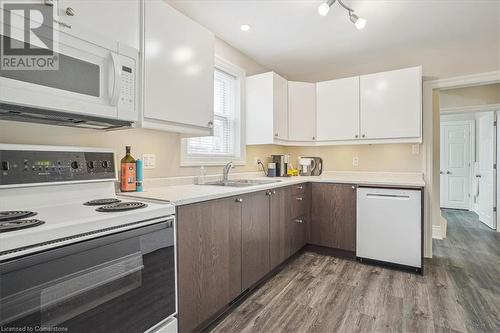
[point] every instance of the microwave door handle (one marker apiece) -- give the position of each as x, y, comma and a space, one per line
115, 88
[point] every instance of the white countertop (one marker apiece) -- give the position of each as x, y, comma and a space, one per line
182, 191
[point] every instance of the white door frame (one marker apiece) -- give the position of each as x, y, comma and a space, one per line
472, 151
430, 162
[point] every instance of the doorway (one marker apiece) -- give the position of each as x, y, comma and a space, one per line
468, 150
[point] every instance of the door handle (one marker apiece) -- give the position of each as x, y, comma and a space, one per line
117, 79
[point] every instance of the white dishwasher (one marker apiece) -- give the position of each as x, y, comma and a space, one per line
389, 226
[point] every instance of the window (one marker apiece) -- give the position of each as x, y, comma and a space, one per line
226, 144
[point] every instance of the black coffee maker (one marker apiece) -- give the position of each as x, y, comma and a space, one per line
281, 162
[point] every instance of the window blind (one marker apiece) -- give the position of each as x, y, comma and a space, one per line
222, 143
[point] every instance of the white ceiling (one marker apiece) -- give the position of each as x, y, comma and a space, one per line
448, 37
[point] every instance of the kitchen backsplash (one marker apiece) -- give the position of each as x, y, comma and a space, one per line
166, 147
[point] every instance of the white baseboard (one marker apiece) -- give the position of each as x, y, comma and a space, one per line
436, 232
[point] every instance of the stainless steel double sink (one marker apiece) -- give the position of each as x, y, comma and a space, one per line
242, 182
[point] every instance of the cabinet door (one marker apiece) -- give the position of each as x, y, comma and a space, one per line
209, 247
333, 216
337, 109
301, 111
114, 19
259, 109
178, 68
255, 238
391, 104
278, 230
280, 106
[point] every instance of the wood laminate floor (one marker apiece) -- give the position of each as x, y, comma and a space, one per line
460, 291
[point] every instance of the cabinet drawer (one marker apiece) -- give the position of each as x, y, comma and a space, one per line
298, 189
297, 205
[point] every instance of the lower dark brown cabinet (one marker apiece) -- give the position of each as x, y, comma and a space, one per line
333, 216
278, 231
255, 261
209, 253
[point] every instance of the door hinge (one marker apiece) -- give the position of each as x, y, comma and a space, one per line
494, 165
494, 209
495, 123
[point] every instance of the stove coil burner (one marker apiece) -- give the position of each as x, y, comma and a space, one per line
101, 202
15, 215
19, 224
122, 206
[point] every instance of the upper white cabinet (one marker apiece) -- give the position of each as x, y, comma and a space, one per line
266, 108
301, 111
337, 111
391, 104
178, 71
118, 20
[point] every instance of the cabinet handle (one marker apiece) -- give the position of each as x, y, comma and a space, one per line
448, 172
299, 187
210, 124
299, 198
70, 11
240, 200
353, 187
274, 192
49, 3
299, 220
356, 136
363, 136
276, 134
314, 138
268, 192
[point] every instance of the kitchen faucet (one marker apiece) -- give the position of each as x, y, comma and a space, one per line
225, 171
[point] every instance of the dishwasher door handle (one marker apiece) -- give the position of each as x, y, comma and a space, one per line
387, 196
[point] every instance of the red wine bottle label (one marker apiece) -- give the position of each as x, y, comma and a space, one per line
128, 177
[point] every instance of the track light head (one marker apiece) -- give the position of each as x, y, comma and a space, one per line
359, 22
324, 8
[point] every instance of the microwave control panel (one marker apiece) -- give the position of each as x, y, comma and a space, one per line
127, 93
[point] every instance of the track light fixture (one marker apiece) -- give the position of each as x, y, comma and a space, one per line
324, 8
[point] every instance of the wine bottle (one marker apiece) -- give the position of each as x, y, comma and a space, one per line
128, 172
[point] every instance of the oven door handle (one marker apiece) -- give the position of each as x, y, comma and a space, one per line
115, 84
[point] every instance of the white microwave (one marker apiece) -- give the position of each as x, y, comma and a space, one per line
94, 86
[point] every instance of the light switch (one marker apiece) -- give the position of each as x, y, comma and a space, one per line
415, 149
149, 161
355, 161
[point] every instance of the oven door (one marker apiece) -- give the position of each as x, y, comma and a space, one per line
119, 283
86, 79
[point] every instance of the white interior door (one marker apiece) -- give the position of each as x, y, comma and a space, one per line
486, 176
455, 165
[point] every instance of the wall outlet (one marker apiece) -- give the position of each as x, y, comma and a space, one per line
149, 161
355, 161
415, 149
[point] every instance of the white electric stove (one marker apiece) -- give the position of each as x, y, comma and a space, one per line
61, 220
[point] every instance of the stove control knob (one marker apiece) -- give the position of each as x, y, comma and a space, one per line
90, 164
74, 165
5, 165
105, 164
